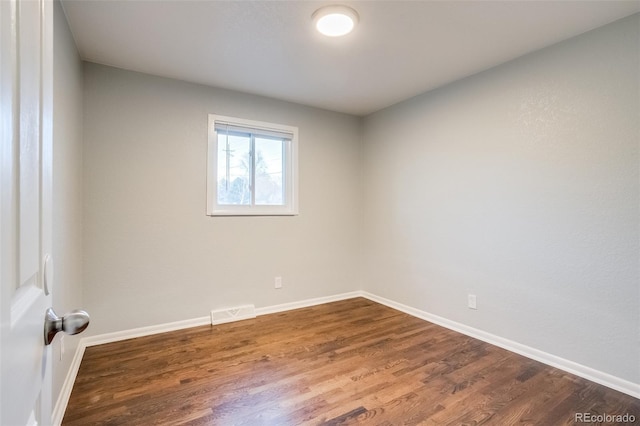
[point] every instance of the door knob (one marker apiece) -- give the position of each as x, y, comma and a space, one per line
73, 322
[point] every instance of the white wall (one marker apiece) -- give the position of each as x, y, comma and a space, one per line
152, 256
67, 187
519, 185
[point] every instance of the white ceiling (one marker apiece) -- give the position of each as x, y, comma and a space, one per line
399, 49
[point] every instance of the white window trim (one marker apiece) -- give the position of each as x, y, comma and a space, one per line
290, 208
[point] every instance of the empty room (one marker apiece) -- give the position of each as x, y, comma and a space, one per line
306, 212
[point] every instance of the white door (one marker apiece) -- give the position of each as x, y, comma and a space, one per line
26, 78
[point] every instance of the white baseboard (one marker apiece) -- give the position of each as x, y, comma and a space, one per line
583, 371
196, 322
588, 373
306, 303
67, 386
144, 331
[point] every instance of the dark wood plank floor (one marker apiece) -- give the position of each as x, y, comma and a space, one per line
348, 362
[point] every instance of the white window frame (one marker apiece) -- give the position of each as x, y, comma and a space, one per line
290, 172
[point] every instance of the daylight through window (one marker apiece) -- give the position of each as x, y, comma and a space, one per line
251, 168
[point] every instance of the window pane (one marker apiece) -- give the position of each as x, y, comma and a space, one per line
269, 166
253, 172
234, 168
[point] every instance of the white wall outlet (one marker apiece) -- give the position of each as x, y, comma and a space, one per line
61, 347
471, 301
278, 282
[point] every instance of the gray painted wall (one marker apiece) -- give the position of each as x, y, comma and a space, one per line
152, 256
67, 188
519, 185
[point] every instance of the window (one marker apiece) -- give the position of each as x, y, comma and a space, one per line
251, 168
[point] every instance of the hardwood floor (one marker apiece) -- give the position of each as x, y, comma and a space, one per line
348, 362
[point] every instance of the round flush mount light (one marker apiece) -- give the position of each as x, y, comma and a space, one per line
335, 21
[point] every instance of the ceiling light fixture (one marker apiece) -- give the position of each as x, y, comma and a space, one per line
335, 20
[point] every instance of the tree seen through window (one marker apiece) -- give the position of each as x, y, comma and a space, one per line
250, 169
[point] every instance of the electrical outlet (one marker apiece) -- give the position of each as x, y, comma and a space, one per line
278, 282
61, 346
471, 301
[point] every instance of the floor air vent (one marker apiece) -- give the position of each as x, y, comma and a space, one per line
238, 313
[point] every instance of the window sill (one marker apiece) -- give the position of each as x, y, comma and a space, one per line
253, 212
